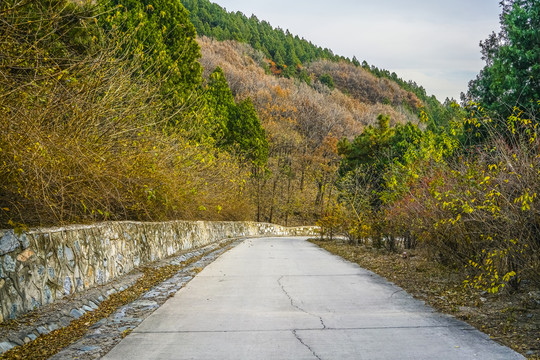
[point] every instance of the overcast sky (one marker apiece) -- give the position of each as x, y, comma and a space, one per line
433, 42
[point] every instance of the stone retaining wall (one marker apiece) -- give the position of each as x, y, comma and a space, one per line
42, 265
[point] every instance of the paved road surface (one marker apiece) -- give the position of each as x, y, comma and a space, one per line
284, 298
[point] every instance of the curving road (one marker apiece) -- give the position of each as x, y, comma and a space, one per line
285, 298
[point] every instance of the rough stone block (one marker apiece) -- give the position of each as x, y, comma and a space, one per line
25, 242
9, 264
8, 242
63, 322
76, 313
92, 305
25, 255
42, 330
67, 285
70, 257
111, 291
5, 346
89, 348
16, 340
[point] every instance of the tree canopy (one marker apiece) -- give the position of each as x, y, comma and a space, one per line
236, 127
511, 76
164, 38
284, 49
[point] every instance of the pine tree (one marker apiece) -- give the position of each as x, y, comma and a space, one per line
236, 127
246, 133
220, 101
511, 76
164, 36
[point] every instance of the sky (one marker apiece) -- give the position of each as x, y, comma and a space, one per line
432, 42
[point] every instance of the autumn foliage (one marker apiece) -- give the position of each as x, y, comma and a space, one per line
87, 134
303, 123
465, 193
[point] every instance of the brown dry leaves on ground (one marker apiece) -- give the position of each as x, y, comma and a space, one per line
510, 319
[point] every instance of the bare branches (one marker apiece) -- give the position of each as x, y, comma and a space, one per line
86, 134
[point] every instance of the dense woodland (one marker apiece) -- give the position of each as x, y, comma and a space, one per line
288, 55
143, 110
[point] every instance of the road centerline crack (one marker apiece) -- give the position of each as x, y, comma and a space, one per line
306, 345
282, 286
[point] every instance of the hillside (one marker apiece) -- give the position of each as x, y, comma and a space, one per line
286, 50
290, 56
304, 122
119, 162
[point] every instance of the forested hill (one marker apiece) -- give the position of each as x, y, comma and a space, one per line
288, 54
306, 107
118, 109
281, 46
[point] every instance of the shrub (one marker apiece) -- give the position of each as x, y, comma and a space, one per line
86, 137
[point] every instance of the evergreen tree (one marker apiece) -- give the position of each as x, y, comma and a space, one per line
278, 58
220, 101
291, 58
511, 76
369, 153
246, 133
166, 38
236, 127
280, 46
368, 148
327, 80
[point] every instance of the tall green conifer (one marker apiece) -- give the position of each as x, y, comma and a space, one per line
164, 36
511, 76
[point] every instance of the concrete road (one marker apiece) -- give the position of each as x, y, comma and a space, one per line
285, 298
